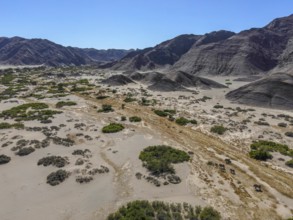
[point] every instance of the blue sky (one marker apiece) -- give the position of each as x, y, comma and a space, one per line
127, 24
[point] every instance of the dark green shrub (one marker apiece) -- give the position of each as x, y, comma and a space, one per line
129, 99
53, 160
106, 109
102, 97
218, 129
289, 134
4, 159
112, 128
5, 125
62, 103
272, 147
161, 113
193, 121
134, 119
182, 121
158, 159
218, 106
29, 111
260, 154
57, 177
289, 163
25, 151
157, 210
208, 213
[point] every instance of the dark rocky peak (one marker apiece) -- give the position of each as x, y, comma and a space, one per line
281, 25
214, 36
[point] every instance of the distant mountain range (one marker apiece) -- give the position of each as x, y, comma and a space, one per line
176, 64
21, 51
250, 52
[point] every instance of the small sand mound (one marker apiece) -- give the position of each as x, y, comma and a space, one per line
117, 80
275, 91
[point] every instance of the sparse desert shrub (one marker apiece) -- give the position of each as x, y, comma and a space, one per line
282, 124
123, 118
5, 125
218, 106
157, 210
134, 119
289, 134
106, 109
208, 213
102, 97
260, 154
289, 163
62, 103
29, 111
112, 128
182, 121
67, 142
25, 151
161, 113
260, 147
129, 99
4, 159
158, 159
53, 160
193, 121
83, 179
218, 129
81, 152
57, 177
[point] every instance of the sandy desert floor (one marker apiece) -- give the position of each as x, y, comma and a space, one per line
26, 195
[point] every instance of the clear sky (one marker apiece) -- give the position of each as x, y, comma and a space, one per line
127, 24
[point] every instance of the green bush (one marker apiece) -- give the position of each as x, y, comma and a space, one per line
5, 125
29, 111
182, 121
161, 113
289, 163
157, 210
134, 119
129, 99
208, 213
270, 146
106, 108
62, 103
158, 159
112, 128
218, 129
193, 121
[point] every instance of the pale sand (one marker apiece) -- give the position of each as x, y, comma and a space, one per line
26, 195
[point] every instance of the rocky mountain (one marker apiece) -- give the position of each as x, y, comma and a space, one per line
274, 91
250, 52
117, 80
21, 51
164, 54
